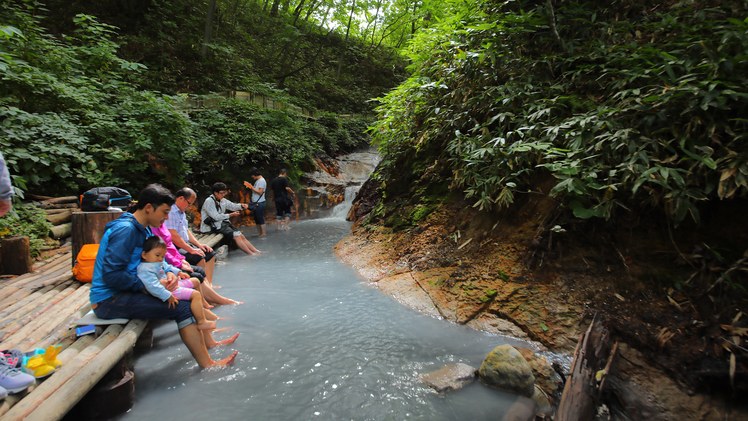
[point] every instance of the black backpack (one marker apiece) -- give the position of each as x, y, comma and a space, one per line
102, 198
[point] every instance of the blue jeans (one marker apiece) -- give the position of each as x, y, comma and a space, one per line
259, 213
139, 305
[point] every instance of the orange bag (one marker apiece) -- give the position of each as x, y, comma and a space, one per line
84, 263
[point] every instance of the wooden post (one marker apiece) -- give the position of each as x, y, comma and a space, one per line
16, 256
89, 227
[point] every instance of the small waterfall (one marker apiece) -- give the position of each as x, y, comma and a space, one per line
340, 211
330, 189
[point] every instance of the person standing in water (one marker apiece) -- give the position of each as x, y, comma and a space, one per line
283, 202
258, 197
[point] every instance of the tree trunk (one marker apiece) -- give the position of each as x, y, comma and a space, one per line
345, 41
208, 24
89, 227
16, 256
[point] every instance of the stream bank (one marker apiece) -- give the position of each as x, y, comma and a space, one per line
501, 274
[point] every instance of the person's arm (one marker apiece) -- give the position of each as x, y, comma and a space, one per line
180, 243
148, 274
199, 245
6, 189
120, 245
234, 206
210, 209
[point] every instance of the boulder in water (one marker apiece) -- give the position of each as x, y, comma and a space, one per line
450, 377
222, 253
507, 369
544, 375
523, 409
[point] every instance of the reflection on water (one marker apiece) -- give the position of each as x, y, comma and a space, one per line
317, 342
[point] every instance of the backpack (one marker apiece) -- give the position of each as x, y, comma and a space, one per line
103, 198
84, 263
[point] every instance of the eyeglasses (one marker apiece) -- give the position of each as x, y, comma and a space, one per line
191, 203
222, 193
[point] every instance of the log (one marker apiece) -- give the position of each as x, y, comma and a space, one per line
89, 227
16, 255
41, 307
57, 380
59, 403
56, 211
58, 200
24, 334
68, 311
579, 398
30, 303
42, 205
37, 197
63, 329
61, 218
61, 231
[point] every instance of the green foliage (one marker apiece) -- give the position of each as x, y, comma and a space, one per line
72, 118
243, 134
622, 112
26, 221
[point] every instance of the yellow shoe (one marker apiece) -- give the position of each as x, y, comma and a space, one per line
37, 367
50, 356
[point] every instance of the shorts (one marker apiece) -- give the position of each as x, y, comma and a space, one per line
282, 208
228, 230
183, 293
195, 259
137, 305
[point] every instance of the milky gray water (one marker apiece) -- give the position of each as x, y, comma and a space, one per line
317, 343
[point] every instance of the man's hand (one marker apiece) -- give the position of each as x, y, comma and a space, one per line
170, 284
197, 251
204, 248
236, 213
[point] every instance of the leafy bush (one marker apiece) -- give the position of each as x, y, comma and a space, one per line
26, 221
648, 110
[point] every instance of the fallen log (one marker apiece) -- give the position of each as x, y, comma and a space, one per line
589, 370
58, 200
56, 211
57, 205
61, 231
61, 218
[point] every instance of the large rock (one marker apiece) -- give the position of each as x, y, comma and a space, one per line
507, 369
222, 253
544, 404
523, 409
451, 377
544, 375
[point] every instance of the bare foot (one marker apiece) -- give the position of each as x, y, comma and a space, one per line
223, 329
216, 286
235, 302
206, 325
226, 361
228, 341
206, 305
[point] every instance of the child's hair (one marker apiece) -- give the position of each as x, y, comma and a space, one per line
153, 242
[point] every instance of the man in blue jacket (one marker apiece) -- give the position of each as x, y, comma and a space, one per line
116, 290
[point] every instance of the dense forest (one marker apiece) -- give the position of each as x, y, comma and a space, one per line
628, 116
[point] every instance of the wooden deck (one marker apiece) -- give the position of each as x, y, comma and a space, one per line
38, 310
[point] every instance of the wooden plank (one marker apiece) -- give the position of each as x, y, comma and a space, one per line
21, 335
41, 307
43, 331
32, 401
33, 301
63, 329
59, 403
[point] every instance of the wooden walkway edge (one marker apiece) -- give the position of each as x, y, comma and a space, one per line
38, 310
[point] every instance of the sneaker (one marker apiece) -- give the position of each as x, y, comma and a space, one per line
13, 357
3, 393
12, 380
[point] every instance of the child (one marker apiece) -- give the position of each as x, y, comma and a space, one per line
152, 268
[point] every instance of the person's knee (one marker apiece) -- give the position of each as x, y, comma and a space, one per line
195, 282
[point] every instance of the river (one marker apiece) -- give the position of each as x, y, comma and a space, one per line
317, 342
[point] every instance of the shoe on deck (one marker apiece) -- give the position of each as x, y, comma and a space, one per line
37, 367
3, 393
12, 380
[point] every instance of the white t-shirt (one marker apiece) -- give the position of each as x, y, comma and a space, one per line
260, 184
